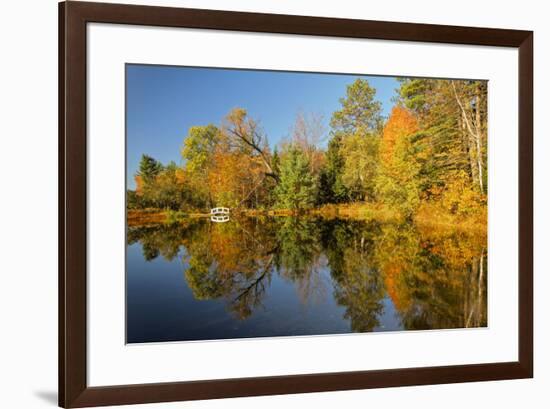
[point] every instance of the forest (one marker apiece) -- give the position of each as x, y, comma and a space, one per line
426, 161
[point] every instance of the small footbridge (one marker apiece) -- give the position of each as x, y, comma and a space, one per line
219, 214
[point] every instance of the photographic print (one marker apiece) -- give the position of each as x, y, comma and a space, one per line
270, 203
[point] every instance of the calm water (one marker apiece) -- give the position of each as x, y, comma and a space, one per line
285, 276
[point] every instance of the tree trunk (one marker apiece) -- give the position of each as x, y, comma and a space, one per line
478, 136
474, 131
467, 141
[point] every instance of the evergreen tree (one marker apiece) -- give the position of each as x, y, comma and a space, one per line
275, 160
146, 178
359, 112
149, 168
297, 187
331, 187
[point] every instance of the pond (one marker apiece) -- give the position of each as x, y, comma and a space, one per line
290, 276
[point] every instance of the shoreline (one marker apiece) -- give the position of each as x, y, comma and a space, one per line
425, 217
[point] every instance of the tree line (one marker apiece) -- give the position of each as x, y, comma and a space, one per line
430, 151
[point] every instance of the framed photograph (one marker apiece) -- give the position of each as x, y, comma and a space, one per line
255, 204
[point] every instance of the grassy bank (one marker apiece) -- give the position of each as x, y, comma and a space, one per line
143, 217
362, 211
431, 216
427, 216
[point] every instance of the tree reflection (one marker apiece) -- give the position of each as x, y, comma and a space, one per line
358, 285
157, 240
434, 278
299, 256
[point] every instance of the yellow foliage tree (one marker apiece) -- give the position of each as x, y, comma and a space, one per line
234, 178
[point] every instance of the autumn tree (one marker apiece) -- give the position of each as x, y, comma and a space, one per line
360, 152
159, 186
235, 179
397, 183
438, 139
168, 189
450, 145
199, 146
198, 149
245, 134
308, 132
471, 98
452, 135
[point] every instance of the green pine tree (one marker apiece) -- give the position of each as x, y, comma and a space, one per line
297, 187
331, 187
360, 110
275, 161
149, 168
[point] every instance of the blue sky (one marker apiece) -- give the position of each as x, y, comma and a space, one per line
163, 102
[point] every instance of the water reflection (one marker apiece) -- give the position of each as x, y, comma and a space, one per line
219, 218
347, 276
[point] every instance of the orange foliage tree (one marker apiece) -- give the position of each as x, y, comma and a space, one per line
397, 184
401, 124
235, 178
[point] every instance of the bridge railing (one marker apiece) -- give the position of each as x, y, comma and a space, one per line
219, 210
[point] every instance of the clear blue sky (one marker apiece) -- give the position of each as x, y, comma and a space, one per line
164, 102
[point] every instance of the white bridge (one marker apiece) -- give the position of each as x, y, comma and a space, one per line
219, 210
219, 214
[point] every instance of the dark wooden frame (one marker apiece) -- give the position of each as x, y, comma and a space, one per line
73, 388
